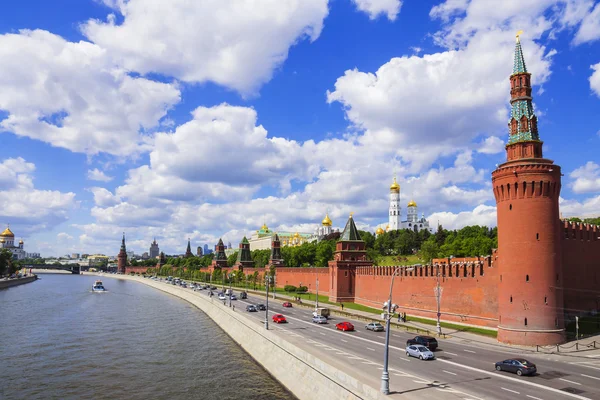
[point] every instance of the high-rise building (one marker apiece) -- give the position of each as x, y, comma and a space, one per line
154, 250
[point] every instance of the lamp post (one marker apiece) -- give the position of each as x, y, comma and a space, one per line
267, 279
438, 297
317, 297
274, 286
385, 375
230, 292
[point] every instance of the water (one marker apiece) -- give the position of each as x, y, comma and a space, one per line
60, 341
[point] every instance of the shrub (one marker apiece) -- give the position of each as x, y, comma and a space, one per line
289, 288
302, 289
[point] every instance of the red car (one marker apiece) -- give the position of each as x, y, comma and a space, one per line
287, 304
279, 318
345, 326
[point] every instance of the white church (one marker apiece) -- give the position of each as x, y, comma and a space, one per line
412, 222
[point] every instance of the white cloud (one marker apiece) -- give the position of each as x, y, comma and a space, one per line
595, 79
25, 207
589, 29
71, 95
374, 8
481, 215
208, 40
587, 178
97, 175
63, 237
588, 208
491, 145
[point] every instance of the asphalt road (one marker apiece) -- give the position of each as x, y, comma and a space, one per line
462, 369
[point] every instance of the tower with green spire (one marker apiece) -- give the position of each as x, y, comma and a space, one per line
220, 259
350, 253
523, 139
244, 258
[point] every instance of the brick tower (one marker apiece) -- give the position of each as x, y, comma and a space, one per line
220, 259
244, 258
527, 188
349, 253
122, 257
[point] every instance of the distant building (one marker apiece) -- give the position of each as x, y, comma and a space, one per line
154, 250
199, 251
206, 249
145, 255
7, 241
75, 255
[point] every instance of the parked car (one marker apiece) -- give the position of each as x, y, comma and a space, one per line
344, 326
279, 318
233, 297
251, 308
419, 351
243, 295
287, 304
519, 366
375, 327
427, 341
261, 307
183, 285
319, 319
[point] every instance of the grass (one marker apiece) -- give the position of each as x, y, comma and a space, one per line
588, 326
457, 327
386, 261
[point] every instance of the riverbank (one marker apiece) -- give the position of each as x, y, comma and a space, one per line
50, 271
303, 373
4, 284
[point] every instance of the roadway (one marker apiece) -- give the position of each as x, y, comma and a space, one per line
462, 369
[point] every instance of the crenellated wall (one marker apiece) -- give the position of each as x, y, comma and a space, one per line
581, 267
306, 276
469, 289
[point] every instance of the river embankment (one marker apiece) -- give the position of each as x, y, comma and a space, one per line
303, 373
6, 283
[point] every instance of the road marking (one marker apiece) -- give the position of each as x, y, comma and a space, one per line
345, 341
321, 333
405, 359
470, 351
510, 378
452, 354
421, 382
566, 380
533, 397
448, 372
592, 377
396, 335
509, 390
368, 348
342, 353
594, 356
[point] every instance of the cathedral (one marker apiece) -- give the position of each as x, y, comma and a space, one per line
7, 241
412, 222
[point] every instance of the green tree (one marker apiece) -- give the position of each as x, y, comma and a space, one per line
231, 259
430, 249
6, 262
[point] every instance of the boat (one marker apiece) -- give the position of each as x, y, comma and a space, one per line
98, 287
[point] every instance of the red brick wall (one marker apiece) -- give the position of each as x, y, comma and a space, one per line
308, 277
470, 300
581, 267
141, 270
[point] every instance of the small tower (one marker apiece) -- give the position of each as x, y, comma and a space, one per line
394, 206
244, 258
276, 259
122, 257
188, 251
349, 253
220, 259
527, 189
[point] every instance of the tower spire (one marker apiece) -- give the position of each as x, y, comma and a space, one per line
519, 63
123, 243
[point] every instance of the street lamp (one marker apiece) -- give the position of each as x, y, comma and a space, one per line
230, 292
317, 296
385, 375
267, 281
438, 296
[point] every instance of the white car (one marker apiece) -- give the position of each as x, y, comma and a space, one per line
419, 351
222, 296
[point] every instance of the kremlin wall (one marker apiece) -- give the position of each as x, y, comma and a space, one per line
543, 274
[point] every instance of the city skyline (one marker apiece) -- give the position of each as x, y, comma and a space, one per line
316, 119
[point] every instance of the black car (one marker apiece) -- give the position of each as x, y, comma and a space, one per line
427, 341
261, 307
250, 308
519, 366
243, 295
213, 288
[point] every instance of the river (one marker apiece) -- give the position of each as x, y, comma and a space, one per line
58, 340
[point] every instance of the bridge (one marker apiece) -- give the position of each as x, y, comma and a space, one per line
74, 268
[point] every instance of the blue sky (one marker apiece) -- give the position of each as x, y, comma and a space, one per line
199, 119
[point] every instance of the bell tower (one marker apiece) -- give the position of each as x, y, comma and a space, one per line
527, 188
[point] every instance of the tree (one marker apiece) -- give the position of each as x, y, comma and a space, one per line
430, 249
232, 259
5, 262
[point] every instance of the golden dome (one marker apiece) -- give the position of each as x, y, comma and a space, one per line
326, 221
21, 241
395, 187
412, 203
387, 228
7, 233
264, 227
297, 235
379, 231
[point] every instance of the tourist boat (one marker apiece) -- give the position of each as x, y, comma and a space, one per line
98, 287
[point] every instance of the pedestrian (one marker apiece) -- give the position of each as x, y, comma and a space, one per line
342, 304
399, 317
234, 307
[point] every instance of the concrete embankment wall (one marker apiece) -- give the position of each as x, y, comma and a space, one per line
16, 282
305, 375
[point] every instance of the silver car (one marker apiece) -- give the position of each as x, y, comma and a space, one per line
419, 351
319, 319
375, 327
